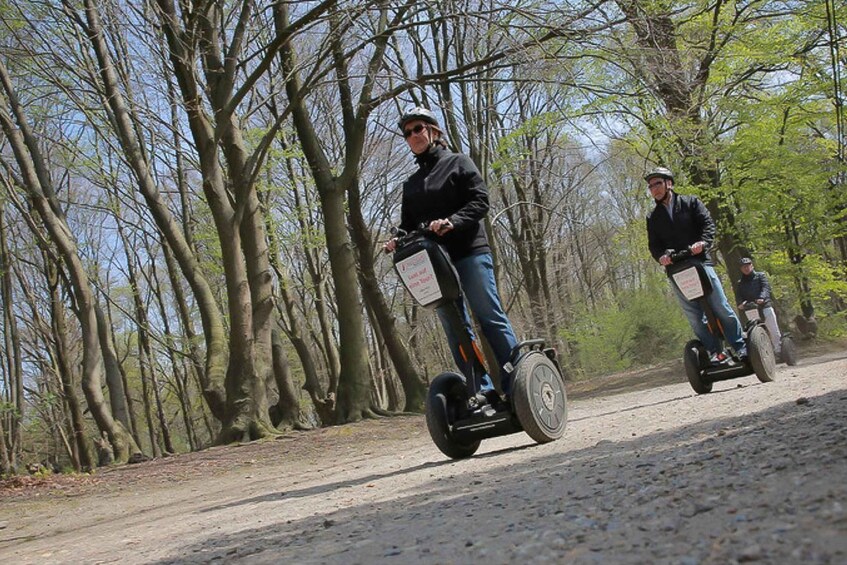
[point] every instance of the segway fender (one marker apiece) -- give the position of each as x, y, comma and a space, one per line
788, 351
761, 355
696, 361
446, 403
539, 397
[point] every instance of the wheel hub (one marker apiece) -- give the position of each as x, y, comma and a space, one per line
548, 396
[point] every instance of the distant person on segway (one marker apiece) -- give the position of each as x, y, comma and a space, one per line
682, 222
754, 287
448, 194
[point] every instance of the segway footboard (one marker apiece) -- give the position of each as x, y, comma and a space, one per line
702, 375
484, 424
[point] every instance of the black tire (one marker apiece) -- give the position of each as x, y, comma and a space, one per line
445, 402
696, 359
760, 350
789, 351
539, 398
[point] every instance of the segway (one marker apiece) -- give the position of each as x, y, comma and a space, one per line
459, 415
691, 279
787, 350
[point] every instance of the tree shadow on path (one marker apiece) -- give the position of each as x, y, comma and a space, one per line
768, 486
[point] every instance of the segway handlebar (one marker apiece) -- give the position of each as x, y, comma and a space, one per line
681, 255
403, 237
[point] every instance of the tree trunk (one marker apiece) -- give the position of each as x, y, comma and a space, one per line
353, 402
316, 275
84, 448
324, 403
413, 385
36, 180
11, 349
114, 379
130, 404
5, 461
233, 202
288, 320
180, 382
354, 383
285, 414
213, 327
191, 351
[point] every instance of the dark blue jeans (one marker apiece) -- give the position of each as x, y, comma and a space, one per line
723, 311
476, 273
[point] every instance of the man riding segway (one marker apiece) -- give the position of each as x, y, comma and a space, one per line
683, 222
753, 293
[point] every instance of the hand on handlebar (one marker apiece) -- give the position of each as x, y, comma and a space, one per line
665, 260
389, 245
698, 247
440, 227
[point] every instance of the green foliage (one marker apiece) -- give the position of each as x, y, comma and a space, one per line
833, 325
645, 326
9, 410
779, 171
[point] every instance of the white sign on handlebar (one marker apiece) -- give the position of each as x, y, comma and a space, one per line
752, 314
689, 284
418, 275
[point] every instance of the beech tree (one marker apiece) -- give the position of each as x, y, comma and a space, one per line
35, 180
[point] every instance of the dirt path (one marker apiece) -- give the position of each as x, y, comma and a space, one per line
750, 473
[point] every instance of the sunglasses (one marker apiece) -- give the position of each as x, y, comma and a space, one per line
407, 133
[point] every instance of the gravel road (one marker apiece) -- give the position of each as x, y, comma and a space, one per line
749, 473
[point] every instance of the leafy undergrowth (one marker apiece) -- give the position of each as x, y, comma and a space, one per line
25, 486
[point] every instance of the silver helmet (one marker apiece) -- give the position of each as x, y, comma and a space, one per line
417, 113
662, 172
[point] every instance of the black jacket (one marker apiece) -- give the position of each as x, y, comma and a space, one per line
448, 185
753, 287
691, 223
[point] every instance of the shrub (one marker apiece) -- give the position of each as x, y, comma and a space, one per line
642, 327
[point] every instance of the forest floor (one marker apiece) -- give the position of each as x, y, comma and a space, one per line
647, 472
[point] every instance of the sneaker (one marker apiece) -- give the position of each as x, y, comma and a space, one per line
718, 358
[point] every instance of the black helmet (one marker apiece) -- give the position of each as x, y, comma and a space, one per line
417, 113
746, 261
659, 172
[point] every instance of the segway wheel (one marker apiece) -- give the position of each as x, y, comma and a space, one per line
789, 351
696, 359
762, 358
445, 402
539, 398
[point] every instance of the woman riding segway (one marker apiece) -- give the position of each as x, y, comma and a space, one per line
447, 194
448, 197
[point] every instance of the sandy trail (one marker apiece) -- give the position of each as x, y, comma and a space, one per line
750, 473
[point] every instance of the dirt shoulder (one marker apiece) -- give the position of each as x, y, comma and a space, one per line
751, 472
